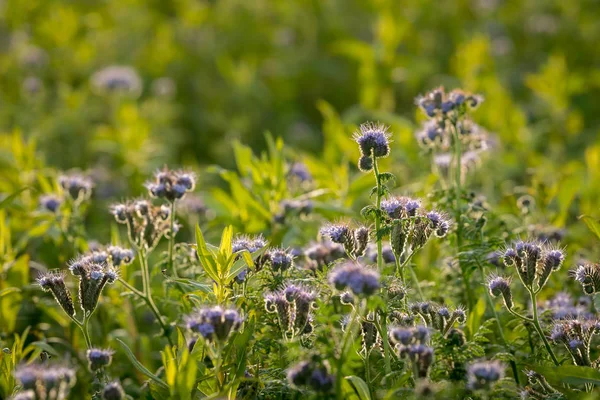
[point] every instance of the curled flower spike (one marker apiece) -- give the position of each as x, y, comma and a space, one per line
500, 286
215, 324
311, 374
171, 185
439, 317
146, 223
323, 253
77, 186
437, 102
280, 259
54, 282
93, 277
99, 358
354, 240
588, 275
359, 279
534, 262
484, 374
576, 335
293, 306
411, 343
373, 140
120, 256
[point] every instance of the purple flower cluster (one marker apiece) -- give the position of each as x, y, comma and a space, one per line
77, 186
312, 374
171, 185
576, 335
359, 279
374, 142
93, 277
483, 375
534, 262
293, 307
588, 276
354, 240
214, 323
39, 380
99, 358
411, 343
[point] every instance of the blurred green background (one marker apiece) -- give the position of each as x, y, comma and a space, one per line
213, 72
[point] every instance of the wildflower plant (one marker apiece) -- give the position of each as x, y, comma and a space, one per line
534, 262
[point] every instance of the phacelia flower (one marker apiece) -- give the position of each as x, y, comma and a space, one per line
99, 358
54, 282
280, 259
113, 391
359, 279
484, 374
373, 140
299, 171
50, 202
41, 379
312, 374
93, 277
534, 262
77, 186
119, 80
500, 286
588, 275
171, 185
215, 323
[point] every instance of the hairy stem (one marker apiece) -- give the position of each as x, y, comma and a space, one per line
172, 241
538, 328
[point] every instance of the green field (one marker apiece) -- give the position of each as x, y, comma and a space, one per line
299, 199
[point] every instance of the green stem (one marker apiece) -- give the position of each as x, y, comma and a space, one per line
147, 293
458, 211
378, 217
83, 327
538, 328
386, 349
172, 241
218, 363
513, 365
342, 358
416, 280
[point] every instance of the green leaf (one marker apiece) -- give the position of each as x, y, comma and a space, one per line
474, 318
592, 224
570, 374
207, 259
226, 238
139, 365
203, 287
360, 387
8, 199
45, 347
9, 290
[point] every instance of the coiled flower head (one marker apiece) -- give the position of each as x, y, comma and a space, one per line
99, 358
373, 140
534, 262
77, 186
354, 240
171, 185
359, 279
214, 323
93, 277
588, 275
500, 286
483, 375
54, 282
